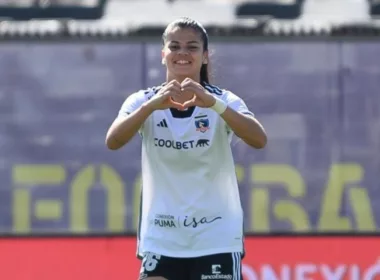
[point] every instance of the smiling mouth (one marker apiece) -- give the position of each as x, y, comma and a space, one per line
182, 62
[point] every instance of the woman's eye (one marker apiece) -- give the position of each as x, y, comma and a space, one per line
191, 48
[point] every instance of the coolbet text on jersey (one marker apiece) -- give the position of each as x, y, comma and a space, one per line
190, 198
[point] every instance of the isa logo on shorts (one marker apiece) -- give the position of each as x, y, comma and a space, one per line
202, 124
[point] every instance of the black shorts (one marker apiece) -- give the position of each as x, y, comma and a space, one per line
213, 267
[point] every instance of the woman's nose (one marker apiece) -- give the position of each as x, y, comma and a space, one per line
183, 51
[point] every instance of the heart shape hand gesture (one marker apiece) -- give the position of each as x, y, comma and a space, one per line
164, 98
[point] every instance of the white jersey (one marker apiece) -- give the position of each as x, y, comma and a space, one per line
190, 198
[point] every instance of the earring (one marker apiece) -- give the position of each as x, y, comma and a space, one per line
163, 61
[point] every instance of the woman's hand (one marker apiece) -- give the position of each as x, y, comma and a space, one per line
163, 99
202, 98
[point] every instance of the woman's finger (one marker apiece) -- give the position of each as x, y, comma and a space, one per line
187, 83
193, 89
176, 87
190, 103
175, 105
172, 92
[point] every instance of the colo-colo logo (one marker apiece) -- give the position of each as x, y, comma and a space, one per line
180, 145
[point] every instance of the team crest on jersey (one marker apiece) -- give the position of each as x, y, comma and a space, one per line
202, 125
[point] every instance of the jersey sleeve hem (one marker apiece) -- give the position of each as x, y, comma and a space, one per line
132, 103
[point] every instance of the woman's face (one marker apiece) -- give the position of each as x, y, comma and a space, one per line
183, 53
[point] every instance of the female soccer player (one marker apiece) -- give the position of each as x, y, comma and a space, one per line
191, 221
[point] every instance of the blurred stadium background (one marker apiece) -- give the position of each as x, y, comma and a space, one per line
309, 69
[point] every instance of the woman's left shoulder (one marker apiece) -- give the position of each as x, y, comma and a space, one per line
222, 93
214, 89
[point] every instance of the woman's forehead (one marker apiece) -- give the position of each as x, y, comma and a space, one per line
183, 35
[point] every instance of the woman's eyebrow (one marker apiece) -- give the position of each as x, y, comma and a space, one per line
190, 42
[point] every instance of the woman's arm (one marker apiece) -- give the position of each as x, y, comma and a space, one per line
231, 108
123, 129
136, 109
246, 127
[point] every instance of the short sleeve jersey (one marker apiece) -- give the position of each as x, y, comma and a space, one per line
190, 199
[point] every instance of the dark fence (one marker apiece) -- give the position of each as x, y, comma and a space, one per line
319, 102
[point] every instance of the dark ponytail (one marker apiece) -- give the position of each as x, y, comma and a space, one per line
204, 74
185, 22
